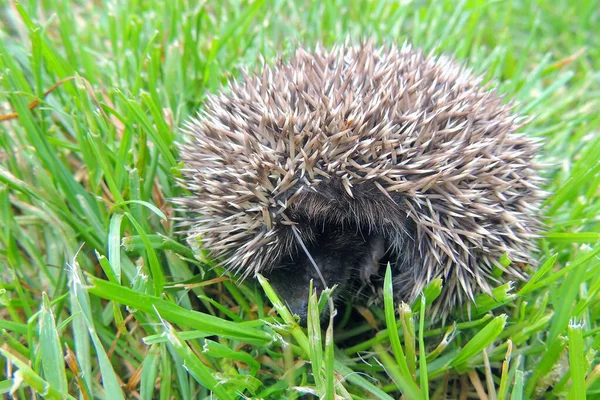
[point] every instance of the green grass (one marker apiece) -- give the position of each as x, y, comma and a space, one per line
100, 298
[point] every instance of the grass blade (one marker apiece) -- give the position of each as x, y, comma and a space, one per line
174, 313
53, 363
480, 341
194, 365
577, 362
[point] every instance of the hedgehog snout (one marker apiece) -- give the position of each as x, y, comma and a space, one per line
337, 258
293, 277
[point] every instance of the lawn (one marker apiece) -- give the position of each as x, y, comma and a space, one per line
102, 298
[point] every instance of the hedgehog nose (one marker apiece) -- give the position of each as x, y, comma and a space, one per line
299, 307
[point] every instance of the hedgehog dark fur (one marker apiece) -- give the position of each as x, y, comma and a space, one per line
356, 157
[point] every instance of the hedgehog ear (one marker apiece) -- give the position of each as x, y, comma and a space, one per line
375, 253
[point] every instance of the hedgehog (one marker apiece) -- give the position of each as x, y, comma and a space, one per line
331, 164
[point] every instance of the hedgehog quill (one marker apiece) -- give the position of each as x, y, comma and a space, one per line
331, 164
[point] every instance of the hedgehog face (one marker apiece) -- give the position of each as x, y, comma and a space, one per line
336, 256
